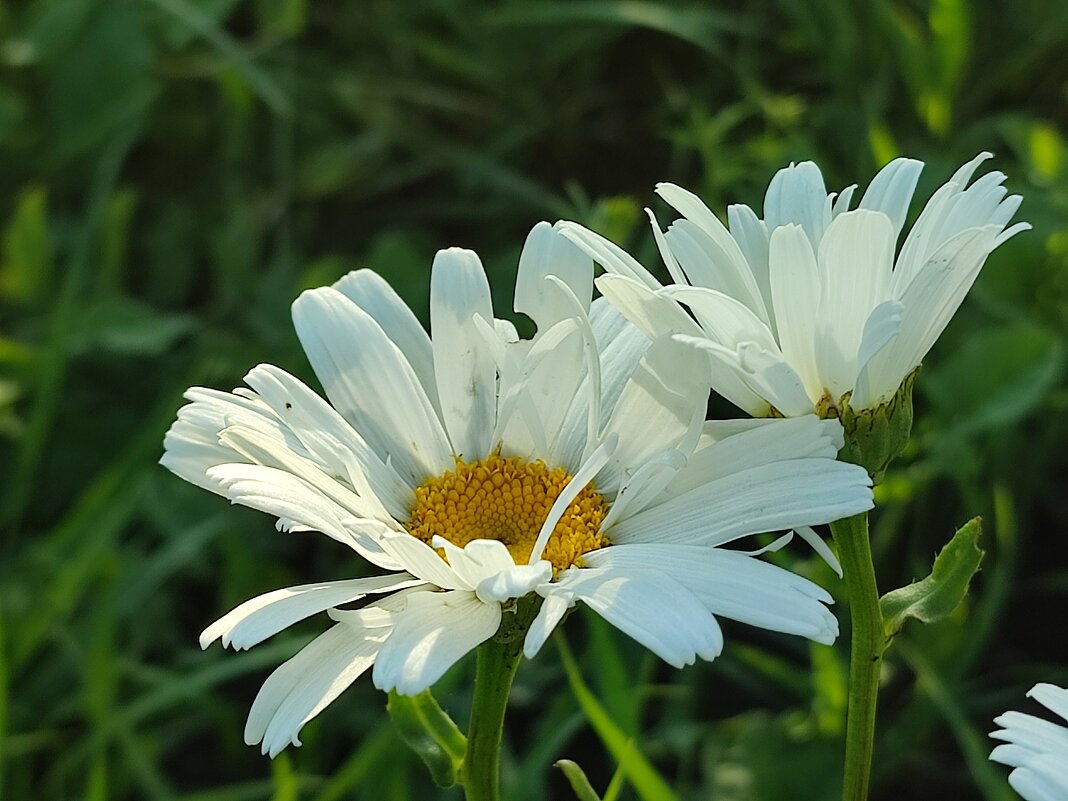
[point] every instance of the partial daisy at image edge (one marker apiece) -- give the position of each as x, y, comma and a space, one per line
1036, 749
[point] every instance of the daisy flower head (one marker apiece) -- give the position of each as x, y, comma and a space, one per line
1035, 748
815, 308
476, 469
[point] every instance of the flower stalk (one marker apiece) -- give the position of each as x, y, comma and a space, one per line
496, 663
866, 649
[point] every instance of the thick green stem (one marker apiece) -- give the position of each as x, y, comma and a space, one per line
496, 662
865, 651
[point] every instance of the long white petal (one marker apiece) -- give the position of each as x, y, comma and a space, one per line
652, 607
662, 403
265, 615
856, 258
552, 611
775, 440
795, 292
372, 293
891, 190
371, 384
707, 265
295, 501
303, 686
421, 560
772, 497
429, 636
732, 584
882, 327
547, 252
927, 305
328, 435
797, 194
463, 364
613, 258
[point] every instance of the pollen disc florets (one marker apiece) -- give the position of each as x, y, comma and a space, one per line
508, 500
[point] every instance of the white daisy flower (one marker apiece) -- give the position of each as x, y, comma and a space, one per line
1036, 749
814, 307
477, 468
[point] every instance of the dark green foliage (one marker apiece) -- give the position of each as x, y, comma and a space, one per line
174, 172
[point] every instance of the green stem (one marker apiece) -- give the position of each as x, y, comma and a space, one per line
865, 651
496, 662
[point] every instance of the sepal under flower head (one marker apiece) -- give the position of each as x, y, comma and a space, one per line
875, 436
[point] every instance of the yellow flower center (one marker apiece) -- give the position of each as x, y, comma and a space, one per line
508, 500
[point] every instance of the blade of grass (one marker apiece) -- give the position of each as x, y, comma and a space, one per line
649, 784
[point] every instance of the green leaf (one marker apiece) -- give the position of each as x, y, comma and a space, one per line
579, 783
649, 784
431, 733
26, 269
935, 597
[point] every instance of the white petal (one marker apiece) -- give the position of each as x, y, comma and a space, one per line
653, 313
371, 384
463, 364
1054, 698
302, 687
1044, 778
724, 318
723, 265
610, 256
294, 500
773, 378
476, 561
880, 330
891, 190
730, 379
763, 373
192, 443
856, 259
735, 585
265, 615
928, 304
372, 293
751, 234
775, 440
547, 252
515, 582
429, 636
772, 497
798, 195
552, 611
421, 560
842, 202
651, 607
571, 490
258, 448
708, 265
662, 405
326, 434
795, 292
817, 543
673, 267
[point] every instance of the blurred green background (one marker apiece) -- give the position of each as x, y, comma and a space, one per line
173, 172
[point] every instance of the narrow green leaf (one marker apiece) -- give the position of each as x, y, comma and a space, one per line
649, 784
935, 597
579, 783
431, 733
26, 269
